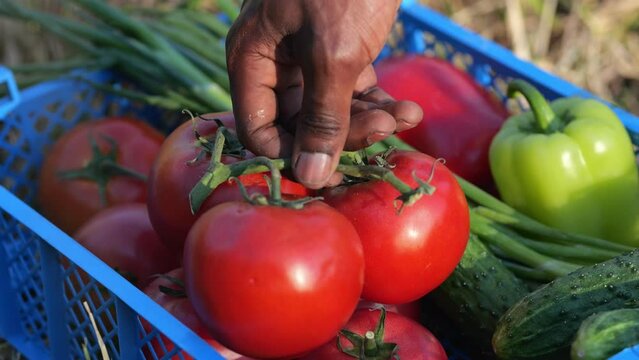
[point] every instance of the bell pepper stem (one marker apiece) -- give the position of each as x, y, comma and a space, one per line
544, 115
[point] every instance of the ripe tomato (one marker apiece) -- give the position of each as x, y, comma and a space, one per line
408, 254
181, 309
122, 237
460, 117
69, 203
413, 341
172, 178
272, 282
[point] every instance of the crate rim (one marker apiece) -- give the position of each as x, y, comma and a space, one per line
133, 297
13, 98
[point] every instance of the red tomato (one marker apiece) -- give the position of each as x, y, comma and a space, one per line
460, 117
122, 237
172, 178
408, 254
273, 282
70, 203
181, 309
413, 341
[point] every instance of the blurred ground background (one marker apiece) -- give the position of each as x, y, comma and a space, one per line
592, 43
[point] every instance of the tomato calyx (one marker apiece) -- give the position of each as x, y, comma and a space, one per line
352, 164
355, 169
101, 168
178, 292
371, 346
274, 186
232, 145
408, 195
218, 172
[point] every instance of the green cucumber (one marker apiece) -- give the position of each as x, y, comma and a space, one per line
543, 324
477, 293
605, 334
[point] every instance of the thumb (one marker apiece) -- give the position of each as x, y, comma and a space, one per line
322, 127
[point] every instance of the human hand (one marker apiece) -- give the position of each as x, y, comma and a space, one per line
303, 84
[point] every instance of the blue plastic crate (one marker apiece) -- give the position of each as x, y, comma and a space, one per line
43, 319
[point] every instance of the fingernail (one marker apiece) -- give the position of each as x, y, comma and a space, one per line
406, 125
313, 169
377, 136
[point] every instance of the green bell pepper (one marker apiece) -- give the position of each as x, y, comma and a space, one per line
569, 164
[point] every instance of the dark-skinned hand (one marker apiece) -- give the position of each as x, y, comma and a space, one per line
303, 84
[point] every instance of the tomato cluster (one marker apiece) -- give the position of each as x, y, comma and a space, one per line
264, 270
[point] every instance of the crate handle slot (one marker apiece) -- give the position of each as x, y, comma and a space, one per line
8, 103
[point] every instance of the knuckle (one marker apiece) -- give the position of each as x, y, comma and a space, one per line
259, 141
324, 126
331, 53
337, 59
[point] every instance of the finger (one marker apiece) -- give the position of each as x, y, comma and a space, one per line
323, 124
367, 79
289, 105
335, 179
368, 125
407, 114
252, 79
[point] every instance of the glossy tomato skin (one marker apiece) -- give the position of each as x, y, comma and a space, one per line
460, 117
172, 178
70, 203
407, 254
415, 342
272, 282
122, 237
181, 309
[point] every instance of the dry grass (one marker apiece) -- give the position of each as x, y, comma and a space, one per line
592, 43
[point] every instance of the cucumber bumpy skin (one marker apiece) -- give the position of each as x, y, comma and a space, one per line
543, 324
605, 334
477, 293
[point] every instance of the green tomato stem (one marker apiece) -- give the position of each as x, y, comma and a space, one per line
218, 146
276, 178
370, 345
544, 115
375, 173
219, 173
